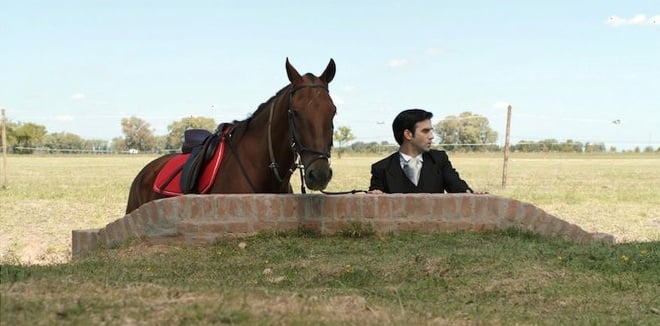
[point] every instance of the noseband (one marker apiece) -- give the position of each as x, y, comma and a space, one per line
296, 146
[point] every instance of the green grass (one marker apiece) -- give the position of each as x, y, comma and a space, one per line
504, 277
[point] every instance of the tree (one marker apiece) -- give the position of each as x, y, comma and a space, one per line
175, 129
65, 141
470, 130
137, 134
342, 136
97, 145
28, 135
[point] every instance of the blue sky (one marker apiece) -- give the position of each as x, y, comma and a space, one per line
567, 68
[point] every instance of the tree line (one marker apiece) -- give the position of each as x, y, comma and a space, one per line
138, 136
466, 132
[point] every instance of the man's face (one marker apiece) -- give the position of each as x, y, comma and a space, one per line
423, 136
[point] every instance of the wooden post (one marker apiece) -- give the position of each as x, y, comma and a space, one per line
5, 184
506, 145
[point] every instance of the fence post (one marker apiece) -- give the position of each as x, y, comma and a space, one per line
5, 184
506, 145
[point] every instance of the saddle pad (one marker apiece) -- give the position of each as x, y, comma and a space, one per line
168, 180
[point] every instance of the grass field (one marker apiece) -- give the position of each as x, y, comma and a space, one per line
49, 196
302, 278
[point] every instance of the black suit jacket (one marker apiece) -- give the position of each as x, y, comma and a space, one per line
437, 175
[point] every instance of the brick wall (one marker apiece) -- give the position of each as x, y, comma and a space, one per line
200, 219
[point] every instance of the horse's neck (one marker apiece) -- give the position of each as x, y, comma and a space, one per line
260, 129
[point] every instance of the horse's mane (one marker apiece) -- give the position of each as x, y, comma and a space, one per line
264, 105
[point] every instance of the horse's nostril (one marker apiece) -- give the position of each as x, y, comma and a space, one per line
318, 179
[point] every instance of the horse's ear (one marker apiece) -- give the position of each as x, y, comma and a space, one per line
291, 72
329, 72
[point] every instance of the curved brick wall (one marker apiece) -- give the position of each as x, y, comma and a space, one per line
200, 219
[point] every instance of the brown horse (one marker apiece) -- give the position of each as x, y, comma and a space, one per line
293, 129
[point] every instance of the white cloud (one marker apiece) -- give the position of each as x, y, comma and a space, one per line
639, 19
501, 105
397, 63
78, 96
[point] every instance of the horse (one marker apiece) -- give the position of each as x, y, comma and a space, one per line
293, 129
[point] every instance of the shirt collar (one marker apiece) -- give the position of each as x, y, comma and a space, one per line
406, 157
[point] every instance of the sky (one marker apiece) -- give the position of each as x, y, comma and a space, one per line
582, 70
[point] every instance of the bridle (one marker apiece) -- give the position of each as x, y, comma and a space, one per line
296, 145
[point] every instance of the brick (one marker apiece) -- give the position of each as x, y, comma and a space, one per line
183, 206
344, 207
384, 226
424, 206
220, 203
456, 226
313, 205
407, 225
398, 205
467, 207
486, 226
310, 225
131, 229
495, 207
384, 207
216, 227
409, 203
369, 205
262, 226
237, 227
544, 224
287, 225
249, 206
530, 216
201, 207
268, 207
511, 211
333, 226
201, 238
576, 233
450, 208
329, 206
481, 207
187, 227
291, 206
234, 207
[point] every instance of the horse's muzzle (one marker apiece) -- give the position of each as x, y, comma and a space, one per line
318, 174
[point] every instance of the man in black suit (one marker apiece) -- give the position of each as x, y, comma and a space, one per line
415, 168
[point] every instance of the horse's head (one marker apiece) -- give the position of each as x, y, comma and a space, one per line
311, 112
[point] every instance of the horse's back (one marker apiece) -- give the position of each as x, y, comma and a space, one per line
142, 187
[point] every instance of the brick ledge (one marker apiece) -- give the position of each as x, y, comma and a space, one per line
201, 219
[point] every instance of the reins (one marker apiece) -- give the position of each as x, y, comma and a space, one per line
351, 192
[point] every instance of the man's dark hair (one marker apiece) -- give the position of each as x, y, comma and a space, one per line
407, 120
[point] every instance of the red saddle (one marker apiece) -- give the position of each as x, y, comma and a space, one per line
168, 180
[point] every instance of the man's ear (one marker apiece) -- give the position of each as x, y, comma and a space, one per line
407, 134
